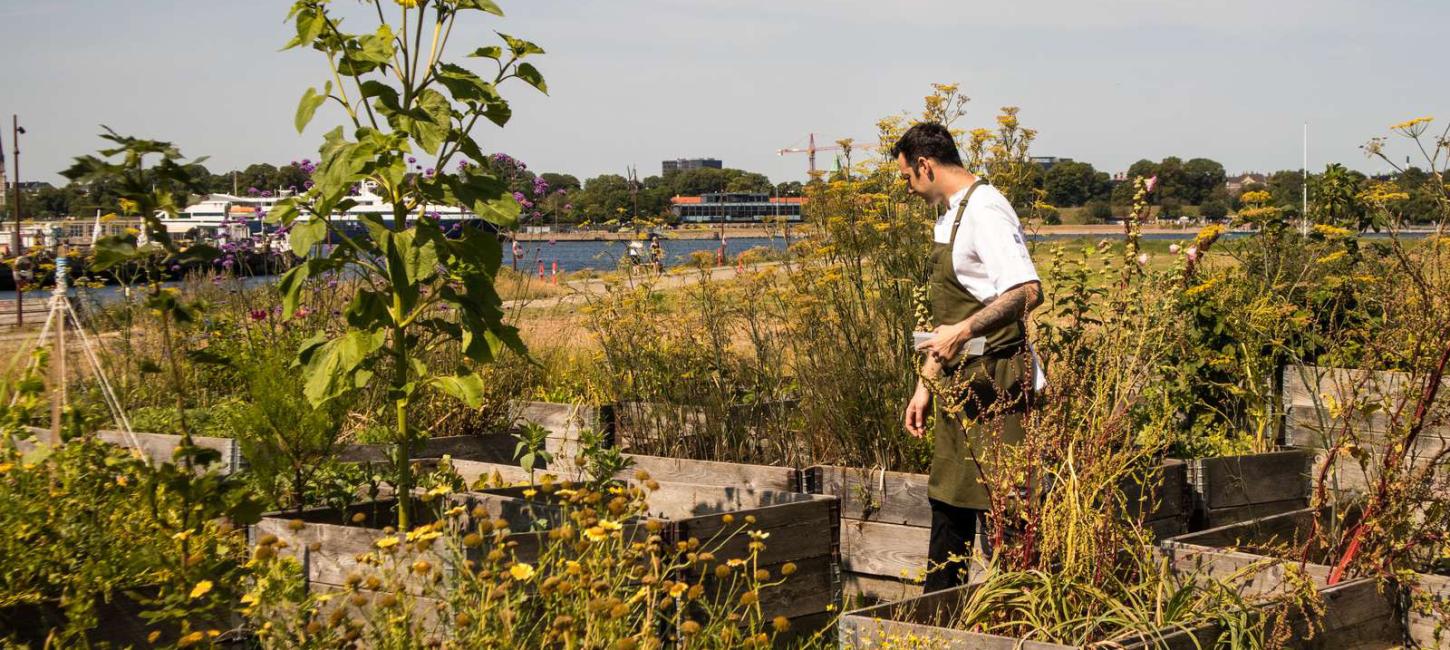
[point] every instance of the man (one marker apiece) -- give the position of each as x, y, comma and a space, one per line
983, 285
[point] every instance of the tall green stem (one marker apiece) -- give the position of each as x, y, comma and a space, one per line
400, 404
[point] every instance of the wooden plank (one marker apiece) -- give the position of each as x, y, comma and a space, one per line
493, 474
797, 530
926, 620
866, 590
1216, 517
1315, 385
566, 424
886, 550
1423, 627
699, 472
1285, 528
874, 495
680, 501
1230, 481
812, 589
161, 447
1163, 494
494, 448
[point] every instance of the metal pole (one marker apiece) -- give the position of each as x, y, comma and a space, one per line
1304, 187
15, 240
57, 307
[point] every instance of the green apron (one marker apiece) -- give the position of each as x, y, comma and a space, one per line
995, 380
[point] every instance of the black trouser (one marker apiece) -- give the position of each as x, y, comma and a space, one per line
953, 532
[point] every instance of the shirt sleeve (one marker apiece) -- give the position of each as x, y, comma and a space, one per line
1002, 248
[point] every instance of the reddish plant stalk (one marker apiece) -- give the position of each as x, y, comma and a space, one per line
1393, 459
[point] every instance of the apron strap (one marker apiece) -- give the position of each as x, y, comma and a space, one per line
961, 210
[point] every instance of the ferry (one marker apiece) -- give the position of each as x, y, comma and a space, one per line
230, 217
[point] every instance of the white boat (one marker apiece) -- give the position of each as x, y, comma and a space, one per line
233, 217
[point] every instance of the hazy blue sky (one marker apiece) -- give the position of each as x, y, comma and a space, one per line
636, 81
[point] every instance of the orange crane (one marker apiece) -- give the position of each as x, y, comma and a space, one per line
811, 150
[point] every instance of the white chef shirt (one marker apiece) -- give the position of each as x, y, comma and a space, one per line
990, 255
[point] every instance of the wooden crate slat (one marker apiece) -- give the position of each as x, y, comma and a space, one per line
700, 472
1252, 478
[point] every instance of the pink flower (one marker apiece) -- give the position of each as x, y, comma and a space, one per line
301, 312
1150, 183
1174, 248
1142, 259
258, 314
1193, 253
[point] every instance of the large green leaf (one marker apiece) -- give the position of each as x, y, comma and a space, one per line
306, 234
330, 368
531, 76
465, 86
488, 197
467, 388
311, 101
112, 251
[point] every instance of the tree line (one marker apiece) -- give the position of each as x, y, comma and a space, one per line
555, 197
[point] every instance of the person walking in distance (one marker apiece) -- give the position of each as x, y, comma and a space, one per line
983, 285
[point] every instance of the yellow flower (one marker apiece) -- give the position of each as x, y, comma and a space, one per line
679, 589
387, 542
1332, 257
610, 525
201, 589
5, 467
127, 205
407, 4
1411, 124
521, 571
182, 536
529, 493
596, 534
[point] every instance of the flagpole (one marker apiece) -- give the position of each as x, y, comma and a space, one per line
1304, 172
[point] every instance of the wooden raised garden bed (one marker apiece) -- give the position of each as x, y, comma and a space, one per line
925, 623
1230, 489
1378, 621
161, 447
886, 523
801, 530
1309, 393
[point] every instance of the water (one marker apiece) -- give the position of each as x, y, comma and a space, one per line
605, 255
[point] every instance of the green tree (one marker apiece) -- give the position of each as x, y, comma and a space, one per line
1072, 183
1286, 188
1202, 177
561, 181
419, 289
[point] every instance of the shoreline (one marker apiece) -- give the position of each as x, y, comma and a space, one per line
798, 230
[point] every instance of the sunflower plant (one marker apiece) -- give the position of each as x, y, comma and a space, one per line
418, 289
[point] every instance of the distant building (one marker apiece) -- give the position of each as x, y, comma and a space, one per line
1236, 184
1046, 162
681, 164
34, 186
736, 207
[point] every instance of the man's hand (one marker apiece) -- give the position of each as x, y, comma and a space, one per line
916, 411
947, 343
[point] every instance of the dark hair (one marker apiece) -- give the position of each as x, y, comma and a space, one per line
928, 140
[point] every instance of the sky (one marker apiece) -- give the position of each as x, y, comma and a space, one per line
634, 82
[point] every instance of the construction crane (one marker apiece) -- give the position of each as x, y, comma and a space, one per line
811, 150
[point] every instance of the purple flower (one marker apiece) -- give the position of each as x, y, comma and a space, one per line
412, 160
258, 315
308, 184
332, 284
267, 194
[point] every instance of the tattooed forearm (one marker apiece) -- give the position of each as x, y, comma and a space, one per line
1010, 306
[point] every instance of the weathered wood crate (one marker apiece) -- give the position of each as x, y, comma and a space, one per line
1231, 489
925, 622
800, 529
567, 423
1313, 397
886, 523
1257, 546
493, 448
655, 427
161, 447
